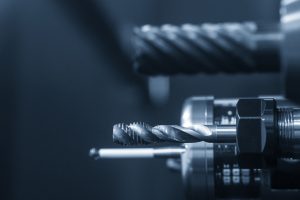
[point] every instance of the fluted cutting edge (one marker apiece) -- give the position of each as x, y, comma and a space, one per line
142, 133
134, 133
209, 48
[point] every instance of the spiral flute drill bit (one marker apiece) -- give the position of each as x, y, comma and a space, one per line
142, 133
207, 48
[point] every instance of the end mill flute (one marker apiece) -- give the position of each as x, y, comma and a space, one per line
142, 133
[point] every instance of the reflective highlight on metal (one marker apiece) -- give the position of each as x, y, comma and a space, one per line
162, 152
142, 133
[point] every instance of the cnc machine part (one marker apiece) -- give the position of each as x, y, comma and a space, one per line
212, 171
206, 48
142, 133
224, 48
261, 129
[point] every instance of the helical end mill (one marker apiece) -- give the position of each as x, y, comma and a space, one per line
207, 48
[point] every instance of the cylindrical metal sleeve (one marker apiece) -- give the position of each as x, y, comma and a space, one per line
207, 48
289, 132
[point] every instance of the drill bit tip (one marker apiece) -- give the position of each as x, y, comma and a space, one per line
134, 133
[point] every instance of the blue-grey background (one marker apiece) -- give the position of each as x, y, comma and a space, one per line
66, 79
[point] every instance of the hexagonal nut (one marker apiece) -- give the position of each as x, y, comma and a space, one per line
251, 129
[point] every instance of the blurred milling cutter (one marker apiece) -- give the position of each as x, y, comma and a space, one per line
207, 48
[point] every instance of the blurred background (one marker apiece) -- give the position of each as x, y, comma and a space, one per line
66, 78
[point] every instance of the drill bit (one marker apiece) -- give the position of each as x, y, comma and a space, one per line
207, 48
142, 133
134, 133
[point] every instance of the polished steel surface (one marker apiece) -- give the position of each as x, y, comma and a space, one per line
142, 133
162, 152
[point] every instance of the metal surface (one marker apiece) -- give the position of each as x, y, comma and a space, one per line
289, 131
207, 48
197, 110
197, 164
142, 133
213, 171
167, 152
135, 133
256, 125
